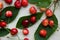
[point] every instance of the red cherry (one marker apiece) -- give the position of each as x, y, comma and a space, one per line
24, 3
51, 23
33, 19
26, 39
49, 13
43, 33
17, 4
8, 14
45, 22
3, 24
25, 22
25, 31
33, 10
13, 31
8, 1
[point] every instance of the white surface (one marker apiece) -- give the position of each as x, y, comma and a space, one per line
25, 12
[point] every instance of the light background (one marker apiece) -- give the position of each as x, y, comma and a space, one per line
25, 12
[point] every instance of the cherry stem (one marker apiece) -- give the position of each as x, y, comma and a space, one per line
18, 37
7, 30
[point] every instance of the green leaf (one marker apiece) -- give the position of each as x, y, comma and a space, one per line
19, 23
50, 31
3, 32
41, 3
14, 11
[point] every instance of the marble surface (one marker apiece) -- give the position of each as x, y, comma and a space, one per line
24, 12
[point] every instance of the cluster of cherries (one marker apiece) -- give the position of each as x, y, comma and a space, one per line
26, 22
46, 22
9, 14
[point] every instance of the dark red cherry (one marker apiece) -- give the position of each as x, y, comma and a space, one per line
25, 22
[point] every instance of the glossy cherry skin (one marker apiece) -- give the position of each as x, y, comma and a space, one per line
25, 31
1, 5
51, 23
33, 19
8, 14
13, 31
25, 23
45, 22
24, 3
8, 1
26, 39
49, 13
3, 24
17, 4
43, 33
33, 10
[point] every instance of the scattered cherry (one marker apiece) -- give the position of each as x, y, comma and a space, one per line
33, 19
45, 22
8, 1
25, 22
13, 31
51, 23
1, 5
43, 33
8, 14
33, 10
3, 24
49, 13
26, 39
24, 3
25, 31
17, 4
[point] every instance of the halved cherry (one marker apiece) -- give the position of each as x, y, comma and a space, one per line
51, 23
49, 13
43, 32
13, 31
8, 14
45, 22
25, 31
33, 10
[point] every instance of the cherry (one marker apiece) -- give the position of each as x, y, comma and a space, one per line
3, 24
33, 10
25, 22
8, 14
45, 22
49, 13
13, 31
1, 5
8, 1
33, 19
26, 39
24, 3
25, 31
43, 33
17, 4
51, 23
